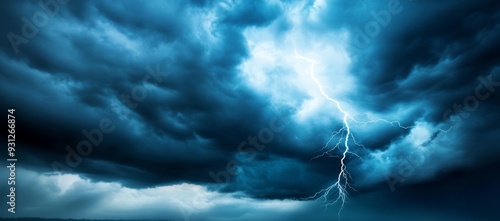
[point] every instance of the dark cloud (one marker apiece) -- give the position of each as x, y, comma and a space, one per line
445, 50
435, 54
256, 13
170, 79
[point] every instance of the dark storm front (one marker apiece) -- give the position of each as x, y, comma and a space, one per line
11, 161
95, 137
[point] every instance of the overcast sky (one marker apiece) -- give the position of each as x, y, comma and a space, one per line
228, 110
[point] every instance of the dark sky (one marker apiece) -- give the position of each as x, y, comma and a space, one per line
228, 110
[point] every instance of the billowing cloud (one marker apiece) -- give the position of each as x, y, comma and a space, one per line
159, 107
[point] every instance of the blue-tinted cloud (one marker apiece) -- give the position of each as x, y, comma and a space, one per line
195, 92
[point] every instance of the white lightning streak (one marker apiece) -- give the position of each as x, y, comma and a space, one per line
342, 182
341, 185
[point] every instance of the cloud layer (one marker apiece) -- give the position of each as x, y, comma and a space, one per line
131, 99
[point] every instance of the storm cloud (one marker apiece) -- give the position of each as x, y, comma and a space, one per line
210, 105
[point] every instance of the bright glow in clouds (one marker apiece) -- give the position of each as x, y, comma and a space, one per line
306, 77
362, 89
274, 70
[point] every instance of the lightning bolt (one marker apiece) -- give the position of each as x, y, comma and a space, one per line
341, 185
